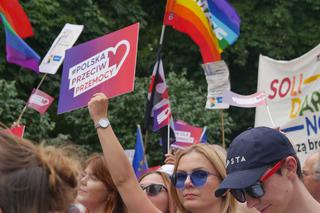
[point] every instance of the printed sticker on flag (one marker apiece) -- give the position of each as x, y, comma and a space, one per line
162, 116
105, 64
40, 101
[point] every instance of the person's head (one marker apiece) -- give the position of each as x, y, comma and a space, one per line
311, 175
198, 172
262, 169
157, 186
97, 188
35, 178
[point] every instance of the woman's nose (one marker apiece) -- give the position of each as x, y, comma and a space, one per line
188, 182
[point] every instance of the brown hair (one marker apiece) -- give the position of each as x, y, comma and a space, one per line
217, 159
167, 182
35, 178
100, 170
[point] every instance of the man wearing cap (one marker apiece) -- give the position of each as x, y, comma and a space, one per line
263, 170
311, 175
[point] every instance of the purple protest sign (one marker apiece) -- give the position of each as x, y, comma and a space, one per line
105, 64
186, 135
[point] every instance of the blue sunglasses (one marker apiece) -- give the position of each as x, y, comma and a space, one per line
197, 177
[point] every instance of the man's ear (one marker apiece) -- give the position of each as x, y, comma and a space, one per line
291, 167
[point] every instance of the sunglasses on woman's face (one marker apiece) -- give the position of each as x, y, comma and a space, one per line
197, 177
153, 189
256, 190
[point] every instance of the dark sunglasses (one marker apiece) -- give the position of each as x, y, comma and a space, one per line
153, 189
197, 177
256, 190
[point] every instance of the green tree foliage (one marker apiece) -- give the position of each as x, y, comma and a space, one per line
281, 29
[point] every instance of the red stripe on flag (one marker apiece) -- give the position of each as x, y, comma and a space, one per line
17, 18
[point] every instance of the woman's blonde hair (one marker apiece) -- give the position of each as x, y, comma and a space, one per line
216, 157
167, 182
100, 171
35, 178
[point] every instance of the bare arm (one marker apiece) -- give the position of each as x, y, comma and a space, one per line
118, 164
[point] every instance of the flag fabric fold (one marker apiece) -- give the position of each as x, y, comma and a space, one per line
225, 20
18, 51
139, 162
212, 25
16, 17
158, 110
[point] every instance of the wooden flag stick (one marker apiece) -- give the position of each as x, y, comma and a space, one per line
168, 142
25, 107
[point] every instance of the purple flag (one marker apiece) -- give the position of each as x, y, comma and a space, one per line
18, 51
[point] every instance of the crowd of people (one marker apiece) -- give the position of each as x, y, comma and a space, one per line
260, 172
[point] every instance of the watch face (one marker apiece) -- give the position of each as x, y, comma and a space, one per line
104, 123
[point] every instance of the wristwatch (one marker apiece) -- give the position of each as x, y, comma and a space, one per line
102, 123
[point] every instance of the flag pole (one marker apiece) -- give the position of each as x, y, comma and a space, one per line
148, 111
222, 129
144, 148
145, 140
25, 107
268, 110
168, 141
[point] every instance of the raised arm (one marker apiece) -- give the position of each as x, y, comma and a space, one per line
118, 164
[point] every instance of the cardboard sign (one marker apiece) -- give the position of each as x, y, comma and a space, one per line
54, 57
106, 64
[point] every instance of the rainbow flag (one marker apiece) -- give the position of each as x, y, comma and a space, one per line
225, 21
212, 24
16, 17
18, 51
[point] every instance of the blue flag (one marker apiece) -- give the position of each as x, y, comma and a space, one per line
204, 138
139, 162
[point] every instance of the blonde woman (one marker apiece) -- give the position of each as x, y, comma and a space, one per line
198, 172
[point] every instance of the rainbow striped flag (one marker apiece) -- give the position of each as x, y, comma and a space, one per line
16, 17
18, 51
212, 24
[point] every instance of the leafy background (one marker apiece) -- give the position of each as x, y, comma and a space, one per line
281, 29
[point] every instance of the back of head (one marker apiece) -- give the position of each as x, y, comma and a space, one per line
101, 172
216, 157
35, 178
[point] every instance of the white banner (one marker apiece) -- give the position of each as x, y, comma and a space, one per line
55, 56
217, 75
292, 90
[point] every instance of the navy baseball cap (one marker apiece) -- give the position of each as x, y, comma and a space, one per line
250, 154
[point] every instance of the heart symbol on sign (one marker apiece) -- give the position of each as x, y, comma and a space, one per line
114, 53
